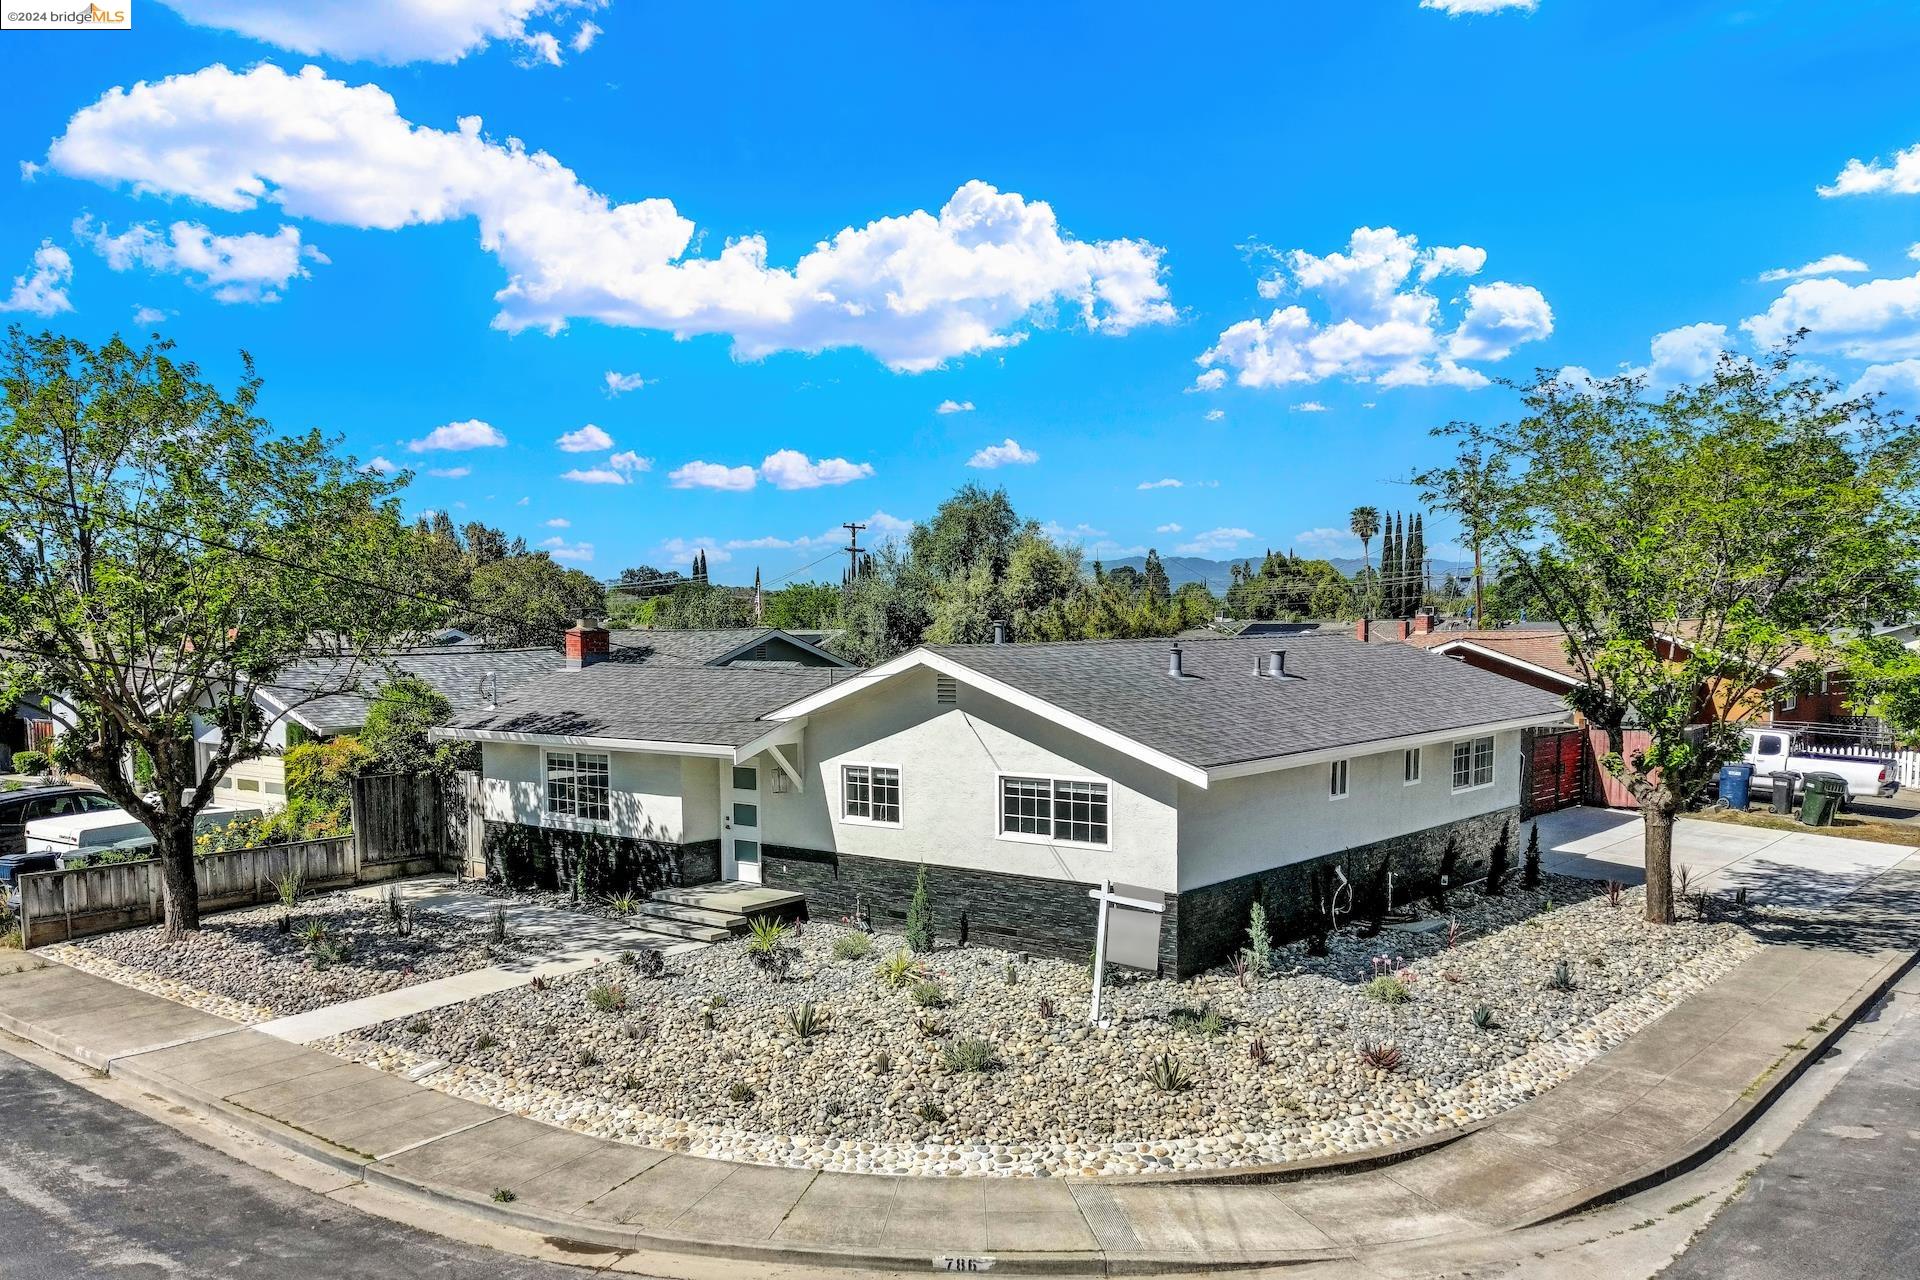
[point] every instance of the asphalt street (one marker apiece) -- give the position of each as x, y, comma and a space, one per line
88, 1189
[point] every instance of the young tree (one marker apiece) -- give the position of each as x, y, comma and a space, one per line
1745, 517
165, 557
1159, 586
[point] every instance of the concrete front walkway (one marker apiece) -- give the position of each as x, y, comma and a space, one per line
1800, 869
556, 942
1650, 1108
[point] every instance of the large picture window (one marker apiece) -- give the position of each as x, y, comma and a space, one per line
870, 793
1069, 810
1472, 764
577, 785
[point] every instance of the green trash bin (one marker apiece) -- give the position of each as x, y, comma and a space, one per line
1824, 795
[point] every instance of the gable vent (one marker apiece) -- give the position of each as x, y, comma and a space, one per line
760, 652
946, 690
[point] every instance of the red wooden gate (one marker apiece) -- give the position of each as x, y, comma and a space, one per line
1607, 789
1556, 762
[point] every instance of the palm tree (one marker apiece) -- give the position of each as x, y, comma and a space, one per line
1365, 522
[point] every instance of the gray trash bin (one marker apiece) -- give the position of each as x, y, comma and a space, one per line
1782, 792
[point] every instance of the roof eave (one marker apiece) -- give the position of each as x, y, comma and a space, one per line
1404, 742
646, 746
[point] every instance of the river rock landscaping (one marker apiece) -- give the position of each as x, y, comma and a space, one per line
333, 947
844, 1052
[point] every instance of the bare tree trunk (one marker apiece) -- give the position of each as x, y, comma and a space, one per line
1659, 816
179, 880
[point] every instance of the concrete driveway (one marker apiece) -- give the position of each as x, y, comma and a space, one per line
1778, 868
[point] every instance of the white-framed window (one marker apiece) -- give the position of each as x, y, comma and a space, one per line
1472, 764
1337, 780
870, 793
1058, 810
1410, 766
577, 785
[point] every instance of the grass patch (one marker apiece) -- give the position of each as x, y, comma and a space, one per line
1844, 825
1685, 1205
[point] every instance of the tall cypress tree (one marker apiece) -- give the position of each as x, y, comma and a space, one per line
1417, 564
1389, 567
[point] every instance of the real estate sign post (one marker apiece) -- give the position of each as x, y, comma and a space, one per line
1128, 936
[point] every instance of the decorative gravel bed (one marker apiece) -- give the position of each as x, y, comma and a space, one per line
705, 1059
240, 965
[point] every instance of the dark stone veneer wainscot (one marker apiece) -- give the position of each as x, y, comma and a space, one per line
603, 865
1203, 927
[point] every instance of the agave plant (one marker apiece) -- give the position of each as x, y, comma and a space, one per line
1562, 977
807, 1020
969, 1057
900, 969
1381, 1057
1167, 1074
1258, 1053
1483, 1017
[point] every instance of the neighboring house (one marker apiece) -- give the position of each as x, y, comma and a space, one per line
1220, 772
25, 725
727, 647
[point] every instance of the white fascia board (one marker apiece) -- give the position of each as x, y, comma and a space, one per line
284, 712
645, 746
779, 735
1299, 759
1106, 737
1498, 656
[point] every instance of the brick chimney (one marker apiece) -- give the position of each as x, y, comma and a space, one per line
1422, 623
1360, 631
586, 643
1400, 629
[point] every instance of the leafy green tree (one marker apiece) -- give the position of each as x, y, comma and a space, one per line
528, 600
1883, 681
400, 716
1159, 586
975, 528
920, 916
165, 556
804, 606
1754, 513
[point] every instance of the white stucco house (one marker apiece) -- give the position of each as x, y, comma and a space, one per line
1219, 772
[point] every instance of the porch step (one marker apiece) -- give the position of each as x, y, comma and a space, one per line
733, 897
683, 914
672, 928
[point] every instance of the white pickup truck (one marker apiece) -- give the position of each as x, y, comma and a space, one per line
1779, 750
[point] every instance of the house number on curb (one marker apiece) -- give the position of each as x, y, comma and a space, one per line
944, 1263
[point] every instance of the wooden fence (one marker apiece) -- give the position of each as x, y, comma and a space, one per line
404, 818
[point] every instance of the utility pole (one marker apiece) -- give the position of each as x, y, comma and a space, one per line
853, 551
1479, 596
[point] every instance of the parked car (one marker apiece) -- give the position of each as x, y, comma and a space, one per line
94, 830
18, 808
1776, 750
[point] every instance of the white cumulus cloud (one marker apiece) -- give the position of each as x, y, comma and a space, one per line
1167, 483
561, 549
559, 522
1871, 177
1007, 453
1166, 528
1832, 265
1214, 542
450, 473
379, 466
1309, 406
1214, 415
587, 439
1685, 354
1898, 382
954, 406
150, 315
250, 267
621, 468
1327, 541
713, 475
791, 469
43, 289
915, 290
1454, 8
584, 37
1872, 320
455, 436
618, 384
1377, 321
388, 31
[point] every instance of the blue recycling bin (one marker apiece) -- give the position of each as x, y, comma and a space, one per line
1736, 785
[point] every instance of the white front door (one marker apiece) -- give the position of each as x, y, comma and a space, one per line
740, 825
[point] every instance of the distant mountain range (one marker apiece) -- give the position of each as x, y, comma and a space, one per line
1218, 574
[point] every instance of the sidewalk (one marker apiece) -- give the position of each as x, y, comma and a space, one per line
1647, 1110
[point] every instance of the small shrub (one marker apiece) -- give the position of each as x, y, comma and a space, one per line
1497, 865
920, 916
497, 929
740, 1092
1013, 975
1562, 977
718, 1000
1387, 989
419, 1027
623, 904
31, 763
881, 1062
930, 1027
765, 934
327, 953
313, 932
1530, 864
1166, 1074
927, 994
503, 1196
588, 1058
898, 970
540, 983
629, 958
1615, 889
650, 965
1449, 863
1682, 879
1258, 1053
1483, 1018
807, 1020
631, 1082
970, 1056
483, 1042
1203, 1021
931, 1112
607, 997
1381, 1057
1259, 951
1455, 932
640, 1029
1241, 965
852, 946
1044, 1007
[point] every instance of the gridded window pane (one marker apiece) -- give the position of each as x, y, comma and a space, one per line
1462, 765
1026, 806
886, 795
857, 787
1411, 765
560, 782
1482, 761
577, 785
1080, 812
1337, 779
1472, 763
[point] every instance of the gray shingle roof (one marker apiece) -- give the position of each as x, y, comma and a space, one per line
1347, 693
461, 673
716, 705
693, 648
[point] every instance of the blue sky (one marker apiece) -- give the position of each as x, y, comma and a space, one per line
1176, 265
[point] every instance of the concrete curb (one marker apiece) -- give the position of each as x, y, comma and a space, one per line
1740, 1117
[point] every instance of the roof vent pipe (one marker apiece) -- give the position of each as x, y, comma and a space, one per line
1277, 664
1174, 668
999, 632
